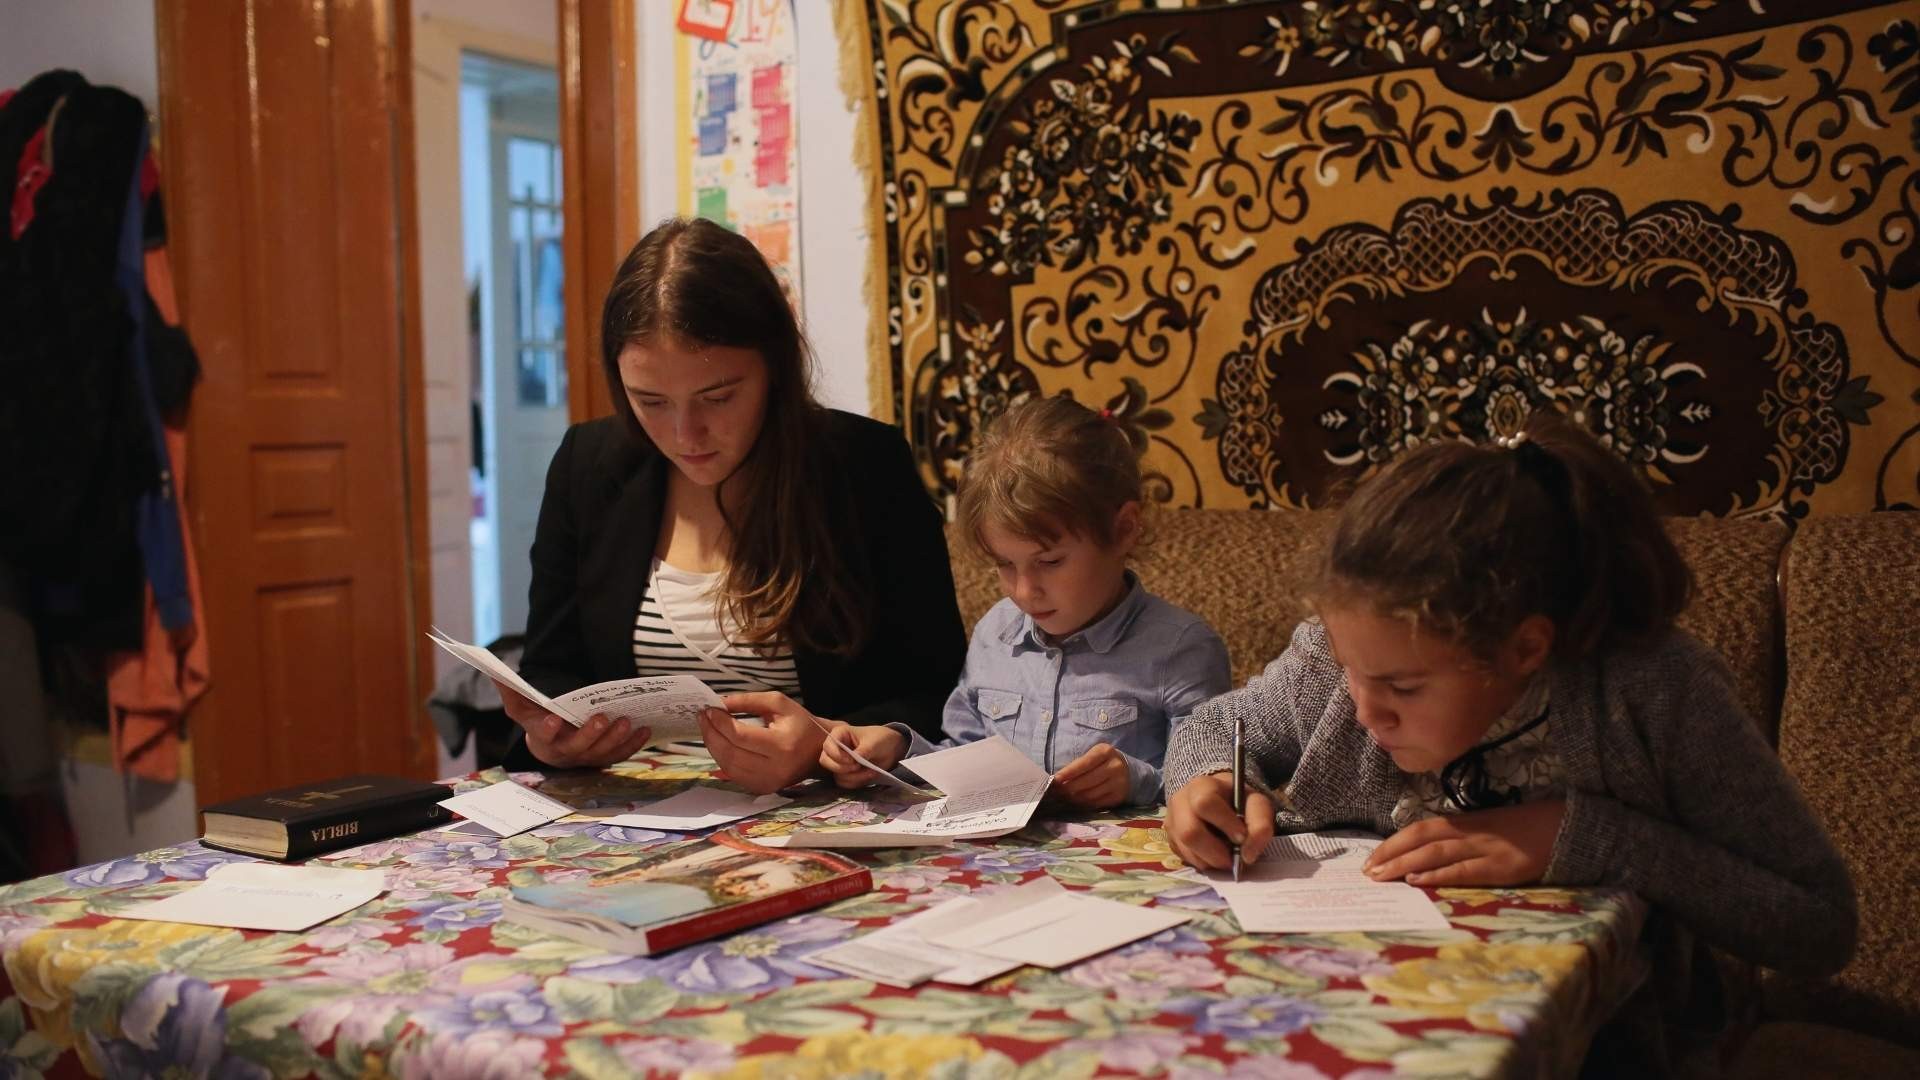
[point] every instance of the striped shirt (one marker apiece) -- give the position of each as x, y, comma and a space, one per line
679, 632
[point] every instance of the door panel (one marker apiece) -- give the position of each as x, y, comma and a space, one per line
284, 205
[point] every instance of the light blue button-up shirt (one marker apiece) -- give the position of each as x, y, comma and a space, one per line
1124, 680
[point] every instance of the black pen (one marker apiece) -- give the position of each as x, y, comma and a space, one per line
1239, 786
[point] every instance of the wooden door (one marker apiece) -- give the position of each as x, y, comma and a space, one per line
287, 152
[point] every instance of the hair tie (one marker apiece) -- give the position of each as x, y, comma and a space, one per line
1107, 415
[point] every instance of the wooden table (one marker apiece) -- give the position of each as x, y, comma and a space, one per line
426, 981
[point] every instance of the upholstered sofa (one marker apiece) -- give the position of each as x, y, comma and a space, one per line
1822, 630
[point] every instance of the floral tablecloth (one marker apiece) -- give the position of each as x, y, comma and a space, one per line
427, 981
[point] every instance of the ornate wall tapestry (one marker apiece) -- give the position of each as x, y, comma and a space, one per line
1283, 241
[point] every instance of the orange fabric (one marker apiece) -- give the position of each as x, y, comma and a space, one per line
150, 691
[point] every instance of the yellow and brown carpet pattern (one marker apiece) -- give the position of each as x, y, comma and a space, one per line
1283, 241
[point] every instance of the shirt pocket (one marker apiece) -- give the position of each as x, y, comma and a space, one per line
999, 708
1103, 716
1091, 721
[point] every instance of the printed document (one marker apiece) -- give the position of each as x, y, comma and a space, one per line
668, 704
264, 896
901, 955
697, 808
1311, 883
990, 788
507, 808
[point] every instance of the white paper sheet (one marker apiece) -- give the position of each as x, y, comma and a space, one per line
1311, 883
697, 808
670, 705
265, 896
507, 808
900, 955
982, 765
1059, 930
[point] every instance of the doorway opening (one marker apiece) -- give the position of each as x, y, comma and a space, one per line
510, 205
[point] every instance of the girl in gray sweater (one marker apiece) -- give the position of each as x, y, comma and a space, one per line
1495, 682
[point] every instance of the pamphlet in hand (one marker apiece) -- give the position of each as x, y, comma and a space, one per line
991, 789
668, 704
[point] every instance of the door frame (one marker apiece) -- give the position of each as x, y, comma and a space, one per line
599, 144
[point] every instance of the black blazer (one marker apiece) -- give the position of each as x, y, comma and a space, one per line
593, 545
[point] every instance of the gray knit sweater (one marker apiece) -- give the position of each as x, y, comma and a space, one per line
1671, 790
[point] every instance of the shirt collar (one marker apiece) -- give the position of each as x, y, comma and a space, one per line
1528, 706
1101, 637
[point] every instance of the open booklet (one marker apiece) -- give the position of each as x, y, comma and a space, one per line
668, 704
990, 789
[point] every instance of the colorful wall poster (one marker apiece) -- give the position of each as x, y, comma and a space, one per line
737, 137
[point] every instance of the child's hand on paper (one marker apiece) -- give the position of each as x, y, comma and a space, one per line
1096, 779
763, 760
1508, 845
877, 743
560, 744
1201, 823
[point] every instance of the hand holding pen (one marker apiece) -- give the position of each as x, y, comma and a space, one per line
1206, 831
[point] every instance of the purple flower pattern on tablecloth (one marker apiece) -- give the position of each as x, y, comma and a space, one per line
15, 927
674, 1057
181, 864
1334, 963
455, 915
473, 1055
981, 860
909, 878
1146, 977
419, 883
387, 982
173, 1025
474, 852
340, 934
768, 957
1134, 1053
1260, 1015
523, 1012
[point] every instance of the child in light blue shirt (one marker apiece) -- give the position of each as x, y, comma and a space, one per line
1079, 667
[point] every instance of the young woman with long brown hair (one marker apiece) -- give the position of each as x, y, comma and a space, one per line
724, 524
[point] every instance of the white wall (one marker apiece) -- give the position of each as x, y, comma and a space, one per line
832, 200
108, 41
537, 20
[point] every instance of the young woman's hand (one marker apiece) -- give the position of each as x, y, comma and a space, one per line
763, 760
560, 744
1508, 845
1201, 823
1096, 779
877, 743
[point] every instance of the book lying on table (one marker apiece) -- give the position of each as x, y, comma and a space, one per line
686, 893
669, 705
300, 822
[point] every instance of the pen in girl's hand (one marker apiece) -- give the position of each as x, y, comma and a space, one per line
1239, 787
